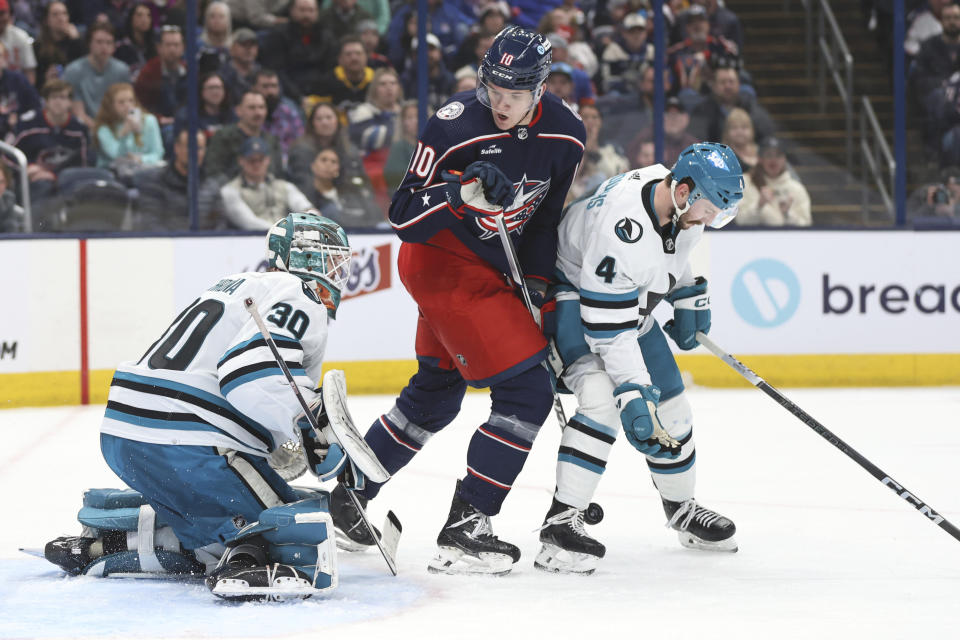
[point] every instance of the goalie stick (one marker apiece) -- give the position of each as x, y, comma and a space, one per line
391, 532
830, 437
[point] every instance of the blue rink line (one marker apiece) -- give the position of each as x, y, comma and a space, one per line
38, 601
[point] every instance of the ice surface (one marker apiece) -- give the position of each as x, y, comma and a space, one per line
825, 549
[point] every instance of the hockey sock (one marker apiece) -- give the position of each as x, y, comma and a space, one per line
675, 479
581, 459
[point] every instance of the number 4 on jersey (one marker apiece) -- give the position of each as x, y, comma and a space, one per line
607, 269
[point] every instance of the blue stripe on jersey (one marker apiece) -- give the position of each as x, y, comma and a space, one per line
255, 375
610, 297
199, 397
282, 342
153, 423
593, 424
565, 457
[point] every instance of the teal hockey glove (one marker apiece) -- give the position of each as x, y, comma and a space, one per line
638, 414
691, 313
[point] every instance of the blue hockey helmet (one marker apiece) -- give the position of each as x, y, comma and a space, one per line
716, 175
316, 250
518, 60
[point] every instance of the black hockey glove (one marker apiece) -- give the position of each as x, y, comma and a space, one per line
481, 190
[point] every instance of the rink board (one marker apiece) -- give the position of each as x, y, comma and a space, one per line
805, 308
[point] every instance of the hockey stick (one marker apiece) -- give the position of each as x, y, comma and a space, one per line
805, 418
517, 273
389, 550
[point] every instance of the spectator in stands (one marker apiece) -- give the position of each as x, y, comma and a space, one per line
300, 49
214, 42
215, 110
18, 43
17, 96
324, 131
402, 148
343, 16
11, 215
367, 30
582, 87
284, 121
676, 136
52, 139
738, 135
127, 138
560, 83
708, 116
600, 161
113, 12
723, 22
933, 203
162, 84
626, 55
346, 85
440, 81
445, 19
92, 74
59, 43
471, 53
936, 61
693, 58
492, 18
226, 144
258, 14
378, 9
631, 111
162, 203
138, 41
372, 123
255, 199
466, 80
771, 195
926, 24
240, 71
348, 207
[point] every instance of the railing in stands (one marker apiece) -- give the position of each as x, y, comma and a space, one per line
835, 57
21, 161
877, 158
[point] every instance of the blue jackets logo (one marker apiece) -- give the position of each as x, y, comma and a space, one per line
765, 293
629, 230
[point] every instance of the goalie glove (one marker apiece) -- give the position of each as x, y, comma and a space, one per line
691, 313
482, 190
638, 415
325, 459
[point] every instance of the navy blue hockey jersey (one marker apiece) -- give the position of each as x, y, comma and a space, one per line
541, 158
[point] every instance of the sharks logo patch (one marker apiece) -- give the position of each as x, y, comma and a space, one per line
628, 230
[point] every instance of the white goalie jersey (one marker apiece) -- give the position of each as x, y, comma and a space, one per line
211, 379
621, 263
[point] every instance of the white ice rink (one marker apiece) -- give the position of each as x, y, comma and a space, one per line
825, 550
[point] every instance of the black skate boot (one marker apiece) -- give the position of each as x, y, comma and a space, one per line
244, 575
352, 534
699, 527
73, 554
566, 546
468, 544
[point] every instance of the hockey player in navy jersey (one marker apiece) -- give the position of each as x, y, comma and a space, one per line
510, 149
196, 425
622, 250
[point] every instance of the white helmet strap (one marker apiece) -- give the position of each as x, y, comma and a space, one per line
677, 210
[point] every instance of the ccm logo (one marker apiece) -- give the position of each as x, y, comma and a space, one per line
912, 499
506, 59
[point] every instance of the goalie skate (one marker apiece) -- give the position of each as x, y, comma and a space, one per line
269, 583
566, 546
700, 528
468, 545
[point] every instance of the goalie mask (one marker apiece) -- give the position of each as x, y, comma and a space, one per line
717, 181
316, 250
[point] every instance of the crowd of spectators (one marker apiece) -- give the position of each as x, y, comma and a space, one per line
302, 102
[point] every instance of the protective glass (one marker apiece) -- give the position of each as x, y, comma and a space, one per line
507, 101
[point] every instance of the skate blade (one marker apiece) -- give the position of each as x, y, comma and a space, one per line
691, 541
283, 589
453, 561
36, 553
557, 560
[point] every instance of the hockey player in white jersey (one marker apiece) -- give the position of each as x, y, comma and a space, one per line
193, 425
621, 250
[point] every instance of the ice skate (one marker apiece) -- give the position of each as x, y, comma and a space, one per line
566, 546
699, 527
469, 546
245, 576
73, 554
352, 534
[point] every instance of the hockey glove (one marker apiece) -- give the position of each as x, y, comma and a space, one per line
482, 190
638, 414
326, 459
537, 288
691, 313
